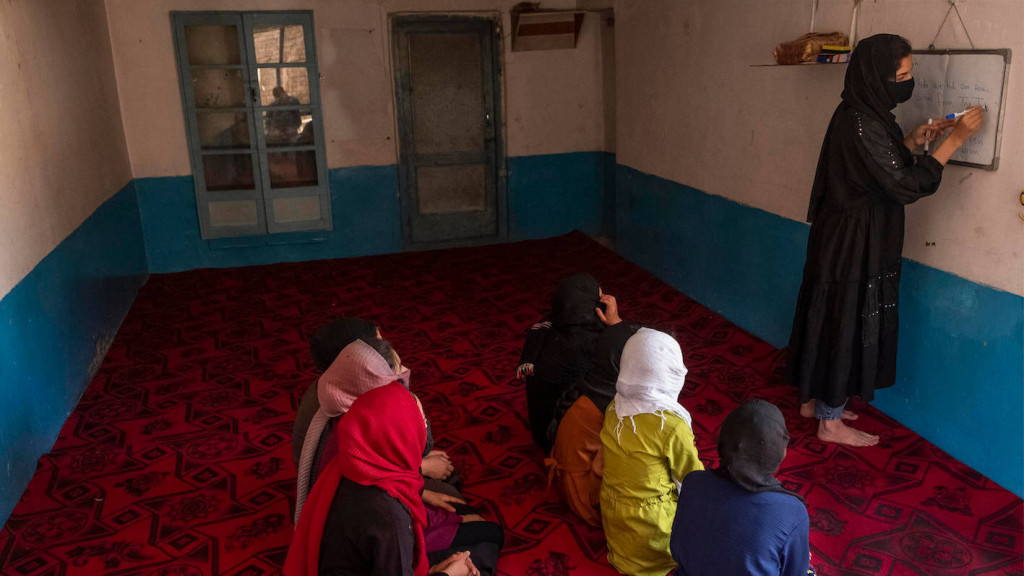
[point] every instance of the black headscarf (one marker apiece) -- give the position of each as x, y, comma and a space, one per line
870, 84
574, 330
574, 302
752, 445
870, 88
330, 339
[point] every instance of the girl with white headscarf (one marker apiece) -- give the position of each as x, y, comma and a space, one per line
648, 449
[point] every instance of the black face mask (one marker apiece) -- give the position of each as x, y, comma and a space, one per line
904, 90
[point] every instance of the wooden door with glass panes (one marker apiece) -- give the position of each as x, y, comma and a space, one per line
252, 104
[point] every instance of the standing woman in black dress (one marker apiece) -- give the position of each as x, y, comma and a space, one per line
845, 329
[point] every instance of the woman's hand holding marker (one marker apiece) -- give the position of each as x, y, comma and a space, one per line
926, 133
967, 124
964, 124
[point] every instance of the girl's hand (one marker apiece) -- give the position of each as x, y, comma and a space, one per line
457, 564
523, 371
442, 501
610, 316
437, 465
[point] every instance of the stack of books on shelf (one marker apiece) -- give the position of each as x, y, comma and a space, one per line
834, 54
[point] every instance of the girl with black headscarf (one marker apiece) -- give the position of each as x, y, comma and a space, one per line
558, 351
738, 519
844, 334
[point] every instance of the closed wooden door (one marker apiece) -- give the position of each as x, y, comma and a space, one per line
449, 148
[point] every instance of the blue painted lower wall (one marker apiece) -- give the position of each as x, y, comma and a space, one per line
553, 194
960, 380
548, 195
55, 328
364, 207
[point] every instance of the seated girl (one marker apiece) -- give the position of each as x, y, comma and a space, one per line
360, 368
577, 456
325, 345
365, 515
648, 448
557, 352
739, 519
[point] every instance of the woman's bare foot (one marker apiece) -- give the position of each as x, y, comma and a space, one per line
838, 432
807, 411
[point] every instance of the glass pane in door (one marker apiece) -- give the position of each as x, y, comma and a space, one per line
279, 43
292, 169
448, 99
219, 130
212, 44
289, 128
218, 88
283, 86
228, 172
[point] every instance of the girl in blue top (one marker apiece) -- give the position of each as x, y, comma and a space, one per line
738, 519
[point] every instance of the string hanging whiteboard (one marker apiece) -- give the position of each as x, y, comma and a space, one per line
948, 81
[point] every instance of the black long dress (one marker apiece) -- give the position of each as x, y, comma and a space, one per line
598, 382
560, 350
845, 329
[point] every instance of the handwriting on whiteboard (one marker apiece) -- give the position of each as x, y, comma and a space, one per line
949, 83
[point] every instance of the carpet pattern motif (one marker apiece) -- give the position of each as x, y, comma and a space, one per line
177, 460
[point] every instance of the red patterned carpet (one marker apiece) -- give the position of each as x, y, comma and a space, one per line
177, 461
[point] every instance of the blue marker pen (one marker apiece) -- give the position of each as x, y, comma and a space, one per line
959, 114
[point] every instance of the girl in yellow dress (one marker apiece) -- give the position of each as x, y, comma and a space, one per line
648, 450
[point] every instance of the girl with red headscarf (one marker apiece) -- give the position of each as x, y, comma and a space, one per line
364, 515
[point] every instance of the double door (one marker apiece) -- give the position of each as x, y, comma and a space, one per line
252, 109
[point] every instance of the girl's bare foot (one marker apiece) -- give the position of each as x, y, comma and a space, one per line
807, 411
838, 432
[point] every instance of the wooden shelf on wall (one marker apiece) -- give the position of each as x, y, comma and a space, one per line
797, 65
546, 29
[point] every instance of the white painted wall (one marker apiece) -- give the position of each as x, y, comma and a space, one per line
693, 110
63, 152
553, 99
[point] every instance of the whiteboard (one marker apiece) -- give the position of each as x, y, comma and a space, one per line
948, 81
